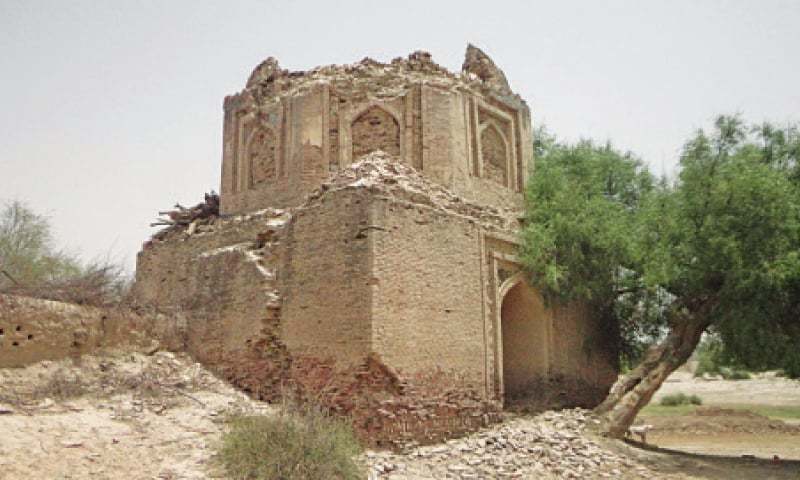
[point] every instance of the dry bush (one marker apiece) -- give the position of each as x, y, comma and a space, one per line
62, 385
299, 443
99, 284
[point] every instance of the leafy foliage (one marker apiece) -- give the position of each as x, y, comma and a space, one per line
721, 242
27, 253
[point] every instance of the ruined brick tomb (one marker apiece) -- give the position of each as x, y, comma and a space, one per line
365, 252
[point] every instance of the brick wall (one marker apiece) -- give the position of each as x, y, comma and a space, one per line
427, 302
326, 278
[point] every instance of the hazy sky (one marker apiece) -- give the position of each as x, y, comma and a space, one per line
110, 110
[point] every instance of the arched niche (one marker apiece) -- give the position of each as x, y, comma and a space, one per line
375, 129
494, 153
261, 156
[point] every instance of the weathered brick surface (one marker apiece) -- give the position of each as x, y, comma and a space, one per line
33, 330
286, 131
427, 307
387, 293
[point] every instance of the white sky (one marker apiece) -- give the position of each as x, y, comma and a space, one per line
110, 110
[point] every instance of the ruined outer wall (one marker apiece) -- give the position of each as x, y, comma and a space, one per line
325, 282
221, 281
298, 285
427, 306
33, 330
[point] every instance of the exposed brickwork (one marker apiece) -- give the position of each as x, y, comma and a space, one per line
388, 291
326, 118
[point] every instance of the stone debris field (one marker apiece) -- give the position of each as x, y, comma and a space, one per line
159, 416
550, 445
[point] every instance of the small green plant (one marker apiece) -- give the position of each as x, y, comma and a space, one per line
301, 443
678, 399
729, 373
673, 400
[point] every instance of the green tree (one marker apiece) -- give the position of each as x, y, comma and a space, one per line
27, 252
718, 248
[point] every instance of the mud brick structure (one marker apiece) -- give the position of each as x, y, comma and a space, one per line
365, 252
32, 330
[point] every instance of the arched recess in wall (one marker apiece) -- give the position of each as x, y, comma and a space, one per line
375, 129
524, 336
261, 157
494, 153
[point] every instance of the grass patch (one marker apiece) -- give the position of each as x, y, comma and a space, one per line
779, 412
662, 411
677, 399
302, 443
776, 412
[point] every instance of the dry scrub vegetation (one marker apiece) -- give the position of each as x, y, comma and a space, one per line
299, 443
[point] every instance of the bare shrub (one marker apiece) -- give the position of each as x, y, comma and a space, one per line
61, 385
299, 443
101, 283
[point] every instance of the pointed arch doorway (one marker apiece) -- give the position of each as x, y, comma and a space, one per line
524, 334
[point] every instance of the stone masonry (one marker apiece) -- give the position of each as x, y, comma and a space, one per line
365, 253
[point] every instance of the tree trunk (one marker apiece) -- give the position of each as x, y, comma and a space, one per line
633, 391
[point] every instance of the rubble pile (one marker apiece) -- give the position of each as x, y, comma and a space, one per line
550, 445
381, 173
377, 171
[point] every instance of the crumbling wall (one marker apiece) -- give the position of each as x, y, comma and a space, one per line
33, 329
306, 125
223, 278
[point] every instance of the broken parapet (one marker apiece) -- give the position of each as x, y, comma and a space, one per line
479, 64
478, 72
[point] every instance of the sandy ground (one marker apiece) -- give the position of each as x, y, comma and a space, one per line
721, 426
137, 417
160, 416
763, 389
